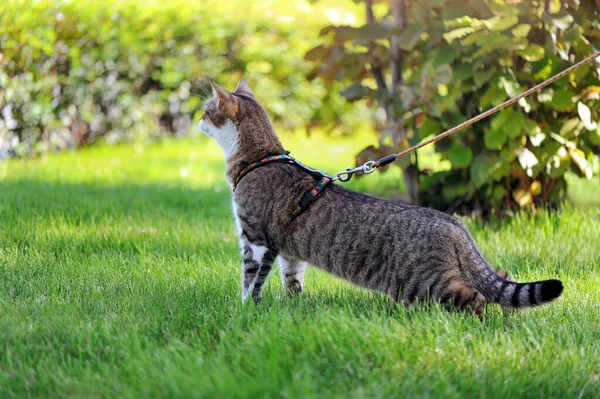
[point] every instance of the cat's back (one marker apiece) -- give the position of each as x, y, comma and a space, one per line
274, 189
355, 203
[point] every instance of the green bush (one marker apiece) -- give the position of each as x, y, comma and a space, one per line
456, 59
74, 71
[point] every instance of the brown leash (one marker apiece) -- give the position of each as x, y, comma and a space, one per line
370, 166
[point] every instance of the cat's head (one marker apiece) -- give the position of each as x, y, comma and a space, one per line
236, 120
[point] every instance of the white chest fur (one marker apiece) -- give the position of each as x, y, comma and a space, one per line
226, 136
238, 226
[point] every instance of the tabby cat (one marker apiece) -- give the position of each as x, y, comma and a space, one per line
408, 253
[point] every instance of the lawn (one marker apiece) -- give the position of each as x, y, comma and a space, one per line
119, 277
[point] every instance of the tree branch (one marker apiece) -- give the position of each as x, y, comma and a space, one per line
399, 14
370, 16
378, 75
375, 70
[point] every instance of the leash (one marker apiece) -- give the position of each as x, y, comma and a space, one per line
371, 166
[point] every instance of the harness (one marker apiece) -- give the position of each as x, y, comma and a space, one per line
309, 197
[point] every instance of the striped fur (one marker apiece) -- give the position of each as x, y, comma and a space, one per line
409, 253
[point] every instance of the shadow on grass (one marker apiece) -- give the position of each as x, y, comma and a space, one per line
83, 202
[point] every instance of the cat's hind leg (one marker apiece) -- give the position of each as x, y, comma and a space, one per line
461, 296
446, 287
257, 263
292, 274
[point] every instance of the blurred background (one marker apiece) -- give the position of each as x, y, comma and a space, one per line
74, 74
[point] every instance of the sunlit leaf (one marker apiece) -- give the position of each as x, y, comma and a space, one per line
531, 127
573, 34
590, 93
570, 128
457, 34
501, 23
521, 30
523, 198
586, 116
536, 187
557, 167
527, 160
578, 158
537, 139
561, 20
546, 96
533, 52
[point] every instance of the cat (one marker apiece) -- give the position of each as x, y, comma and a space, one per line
409, 253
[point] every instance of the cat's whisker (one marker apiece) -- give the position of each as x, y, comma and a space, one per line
205, 91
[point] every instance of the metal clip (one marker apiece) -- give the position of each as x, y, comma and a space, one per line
366, 168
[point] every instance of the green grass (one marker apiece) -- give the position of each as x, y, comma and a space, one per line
119, 277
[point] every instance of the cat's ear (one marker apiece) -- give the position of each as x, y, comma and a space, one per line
243, 88
227, 103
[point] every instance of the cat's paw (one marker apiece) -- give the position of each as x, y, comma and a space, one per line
478, 304
256, 298
245, 294
294, 288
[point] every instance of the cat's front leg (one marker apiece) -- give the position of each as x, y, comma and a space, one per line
292, 274
258, 260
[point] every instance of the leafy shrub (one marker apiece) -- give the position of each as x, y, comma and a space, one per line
454, 60
72, 71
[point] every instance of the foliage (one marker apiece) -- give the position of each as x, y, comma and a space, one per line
73, 71
457, 59
123, 280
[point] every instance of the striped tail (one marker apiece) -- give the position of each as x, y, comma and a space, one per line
518, 295
494, 288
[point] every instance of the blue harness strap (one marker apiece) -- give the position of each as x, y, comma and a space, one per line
309, 197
